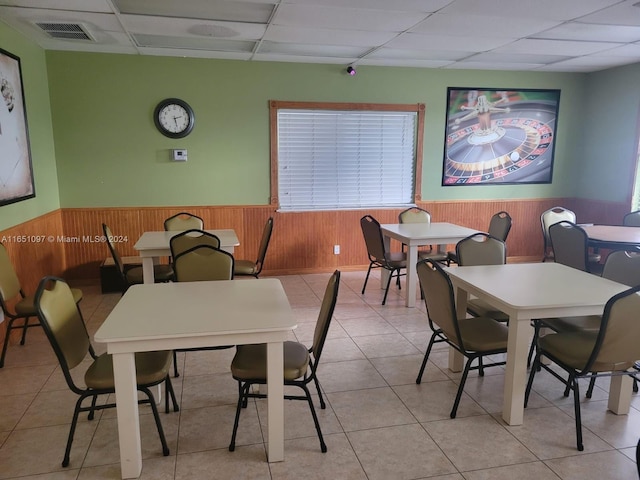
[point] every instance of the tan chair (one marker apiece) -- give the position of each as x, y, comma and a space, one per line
620, 266
183, 241
499, 227
474, 338
23, 309
612, 350
200, 264
419, 215
379, 257
548, 218
482, 249
631, 219
133, 274
254, 268
570, 245
68, 336
249, 365
183, 221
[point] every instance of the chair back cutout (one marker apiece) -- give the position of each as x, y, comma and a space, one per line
183, 221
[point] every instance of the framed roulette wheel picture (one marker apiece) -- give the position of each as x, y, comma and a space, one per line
499, 136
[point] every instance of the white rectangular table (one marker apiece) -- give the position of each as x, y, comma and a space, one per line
167, 316
153, 245
527, 291
415, 235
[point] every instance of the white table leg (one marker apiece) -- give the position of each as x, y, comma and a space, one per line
515, 381
412, 276
275, 401
620, 394
124, 373
147, 270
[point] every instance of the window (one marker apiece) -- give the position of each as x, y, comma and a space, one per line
328, 156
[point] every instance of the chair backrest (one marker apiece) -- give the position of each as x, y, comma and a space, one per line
551, 216
623, 267
9, 282
439, 299
631, 219
325, 316
183, 221
203, 263
481, 249
414, 215
500, 225
62, 323
570, 245
264, 244
114, 254
183, 241
373, 238
617, 347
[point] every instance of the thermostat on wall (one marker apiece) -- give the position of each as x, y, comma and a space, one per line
180, 155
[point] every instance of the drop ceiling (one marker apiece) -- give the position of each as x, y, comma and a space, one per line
524, 35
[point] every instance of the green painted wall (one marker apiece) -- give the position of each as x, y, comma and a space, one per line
109, 153
609, 150
36, 92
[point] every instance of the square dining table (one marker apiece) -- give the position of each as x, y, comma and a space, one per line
168, 316
153, 245
615, 237
415, 235
526, 291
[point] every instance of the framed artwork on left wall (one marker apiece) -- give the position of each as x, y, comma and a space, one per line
16, 171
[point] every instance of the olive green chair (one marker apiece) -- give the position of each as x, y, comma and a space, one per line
420, 215
631, 219
249, 365
611, 350
474, 338
201, 263
67, 334
183, 241
23, 309
183, 221
253, 268
133, 274
499, 227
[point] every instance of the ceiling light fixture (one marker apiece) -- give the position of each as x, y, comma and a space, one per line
351, 71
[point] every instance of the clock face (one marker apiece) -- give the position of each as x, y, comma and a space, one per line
174, 118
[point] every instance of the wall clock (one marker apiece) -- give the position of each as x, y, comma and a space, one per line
174, 118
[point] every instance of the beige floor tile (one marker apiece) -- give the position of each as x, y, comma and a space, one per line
475, 443
21, 380
372, 408
434, 401
245, 462
209, 391
523, 471
596, 466
12, 407
359, 327
403, 370
340, 350
56, 408
351, 375
303, 459
401, 452
67, 474
391, 345
413, 322
207, 362
161, 468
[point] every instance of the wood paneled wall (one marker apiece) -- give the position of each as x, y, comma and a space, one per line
301, 242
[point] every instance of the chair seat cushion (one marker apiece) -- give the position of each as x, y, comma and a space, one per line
574, 348
572, 324
435, 256
151, 368
480, 308
161, 273
244, 267
397, 259
27, 308
481, 334
250, 361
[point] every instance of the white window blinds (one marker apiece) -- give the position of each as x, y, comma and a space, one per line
345, 159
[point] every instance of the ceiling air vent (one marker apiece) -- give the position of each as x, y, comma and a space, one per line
65, 31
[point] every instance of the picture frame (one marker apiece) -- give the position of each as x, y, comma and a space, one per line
499, 136
16, 170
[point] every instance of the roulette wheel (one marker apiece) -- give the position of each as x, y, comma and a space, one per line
497, 137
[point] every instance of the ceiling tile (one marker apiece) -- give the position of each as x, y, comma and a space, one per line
558, 47
273, 57
492, 57
405, 63
164, 41
592, 32
190, 27
235, 11
493, 66
420, 41
622, 14
344, 18
424, 6
322, 36
311, 50
408, 54
589, 63
101, 6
